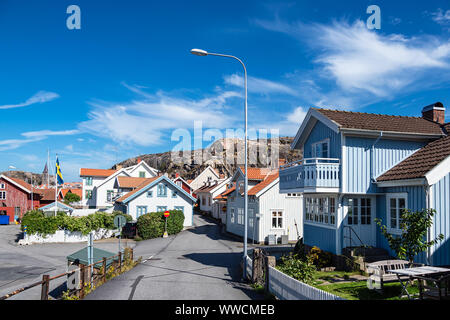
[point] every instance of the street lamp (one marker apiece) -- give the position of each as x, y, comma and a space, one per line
202, 53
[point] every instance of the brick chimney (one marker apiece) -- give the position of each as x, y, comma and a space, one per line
177, 175
139, 160
434, 112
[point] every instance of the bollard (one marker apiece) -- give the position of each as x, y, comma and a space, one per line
82, 279
120, 261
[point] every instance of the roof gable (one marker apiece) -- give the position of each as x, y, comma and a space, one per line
149, 183
96, 172
18, 183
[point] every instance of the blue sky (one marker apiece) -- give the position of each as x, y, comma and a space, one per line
121, 85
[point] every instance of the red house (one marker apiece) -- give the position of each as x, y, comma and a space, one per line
183, 184
16, 197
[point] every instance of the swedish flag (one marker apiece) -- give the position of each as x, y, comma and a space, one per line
58, 172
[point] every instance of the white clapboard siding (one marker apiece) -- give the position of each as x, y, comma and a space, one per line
285, 287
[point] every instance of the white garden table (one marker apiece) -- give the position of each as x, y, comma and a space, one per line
435, 274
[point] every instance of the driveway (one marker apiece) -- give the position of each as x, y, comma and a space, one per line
196, 264
24, 265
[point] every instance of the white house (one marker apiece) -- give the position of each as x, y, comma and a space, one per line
100, 188
269, 212
154, 195
209, 174
208, 192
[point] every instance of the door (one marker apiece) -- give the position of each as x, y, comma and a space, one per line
359, 222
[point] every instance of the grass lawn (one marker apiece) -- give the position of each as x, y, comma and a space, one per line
322, 276
358, 291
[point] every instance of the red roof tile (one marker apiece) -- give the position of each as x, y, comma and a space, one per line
420, 162
381, 122
260, 186
130, 182
96, 172
21, 183
138, 188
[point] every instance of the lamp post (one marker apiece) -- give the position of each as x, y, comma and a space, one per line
202, 53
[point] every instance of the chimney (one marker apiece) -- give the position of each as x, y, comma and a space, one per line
118, 167
177, 175
139, 160
434, 112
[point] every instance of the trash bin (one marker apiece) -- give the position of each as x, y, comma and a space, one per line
272, 239
129, 230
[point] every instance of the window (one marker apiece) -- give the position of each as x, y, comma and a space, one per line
109, 195
241, 187
293, 195
240, 217
179, 183
140, 210
174, 193
88, 181
161, 208
277, 219
149, 194
2, 186
179, 208
203, 201
162, 190
352, 213
232, 215
250, 217
320, 149
396, 204
88, 194
2, 195
141, 174
320, 210
209, 201
366, 213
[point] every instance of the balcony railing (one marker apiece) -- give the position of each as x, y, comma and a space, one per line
310, 173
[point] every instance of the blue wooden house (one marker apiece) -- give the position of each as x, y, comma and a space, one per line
359, 166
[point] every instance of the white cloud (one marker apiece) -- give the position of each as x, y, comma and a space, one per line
40, 97
441, 17
32, 136
143, 121
258, 85
290, 123
46, 133
366, 62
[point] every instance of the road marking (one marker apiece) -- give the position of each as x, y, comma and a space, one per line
147, 259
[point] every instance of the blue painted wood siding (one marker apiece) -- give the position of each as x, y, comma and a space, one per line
386, 154
416, 202
324, 238
319, 133
440, 201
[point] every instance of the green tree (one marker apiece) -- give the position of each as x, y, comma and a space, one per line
71, 197
411, 241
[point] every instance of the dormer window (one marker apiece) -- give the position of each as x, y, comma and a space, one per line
142, 174
321, 149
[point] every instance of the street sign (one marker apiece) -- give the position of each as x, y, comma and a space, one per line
166, 214
119, 221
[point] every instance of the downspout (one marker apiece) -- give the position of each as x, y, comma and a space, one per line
427, 188
372, 152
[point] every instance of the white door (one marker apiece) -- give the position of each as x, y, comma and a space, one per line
360, 228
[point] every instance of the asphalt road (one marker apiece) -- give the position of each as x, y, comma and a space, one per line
23, 265
196, 264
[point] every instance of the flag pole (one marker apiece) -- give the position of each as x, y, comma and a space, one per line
56, 185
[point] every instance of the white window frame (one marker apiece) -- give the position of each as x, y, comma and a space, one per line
396, 196
2, 186
283, 224
89, 181
232, 215
251, 217
161, 208
4, 195
313, 146
181, 208
325, 218
240, 216
140, 213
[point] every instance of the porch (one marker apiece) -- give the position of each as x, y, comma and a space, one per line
310, 175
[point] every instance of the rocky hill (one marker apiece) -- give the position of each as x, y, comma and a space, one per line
221, 155
38, 178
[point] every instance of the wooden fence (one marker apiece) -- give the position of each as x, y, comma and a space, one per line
99, 275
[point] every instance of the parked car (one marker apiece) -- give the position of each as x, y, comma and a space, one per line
129, 230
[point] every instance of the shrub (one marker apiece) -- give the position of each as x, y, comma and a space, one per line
37, 222
320, 258
151, 225
301, 270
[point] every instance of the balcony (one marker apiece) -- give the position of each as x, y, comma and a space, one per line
310, 175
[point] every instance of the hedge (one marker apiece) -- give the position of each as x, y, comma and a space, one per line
37, 222
151, 225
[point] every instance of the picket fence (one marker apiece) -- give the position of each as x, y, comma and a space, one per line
285, 287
